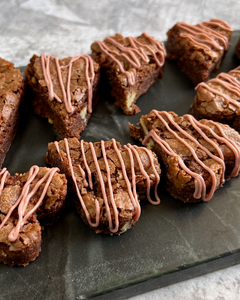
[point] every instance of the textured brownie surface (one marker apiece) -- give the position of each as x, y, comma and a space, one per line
126, 212
11, 95
144, 75
66, 123
198, 57
219, 99
27, 244
179, 183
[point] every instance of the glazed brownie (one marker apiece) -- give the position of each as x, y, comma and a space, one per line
196, 156
11, 95
238, 48
65, 90
219, 99
199, 49
26, 199
107, 180
131, 66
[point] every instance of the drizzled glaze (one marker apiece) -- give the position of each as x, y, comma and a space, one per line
131, 186
45, 60
133, 53
24, 198
229, 82
200, 186
204, 36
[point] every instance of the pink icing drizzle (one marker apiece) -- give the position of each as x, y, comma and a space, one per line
4, 174
86, 165
23, 200
220, 23
199, 182
114, 230
231, 146
66, 92
133, 149
224, 139
134, 200
228, 82
58, 150
203, 36
78, 191
135, 196
200, 186
134, 53
132, 194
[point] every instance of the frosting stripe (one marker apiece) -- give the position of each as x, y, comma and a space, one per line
213, 188
86, 166
229, 82
135, 196
132, 54
24, 198
112, 212
156, 174
205, 36
134, 201
78, 191
200, 186
110, 193
66, 91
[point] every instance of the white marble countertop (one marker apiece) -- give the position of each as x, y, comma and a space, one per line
67, 27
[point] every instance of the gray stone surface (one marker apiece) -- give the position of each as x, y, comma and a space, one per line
65, 28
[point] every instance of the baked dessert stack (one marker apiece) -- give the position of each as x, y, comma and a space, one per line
65, 90
25, 200
107, 180
196, 156
131, 66
199, 49
11, 95
219, 99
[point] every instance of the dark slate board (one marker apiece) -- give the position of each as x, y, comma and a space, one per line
171, 242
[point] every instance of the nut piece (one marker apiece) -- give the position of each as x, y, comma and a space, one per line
34, 81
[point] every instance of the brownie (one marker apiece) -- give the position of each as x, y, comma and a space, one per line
219, 99
25, 200
11, 95
238, 48
198, 49
107, 180
131, 66
196, 156
65, 91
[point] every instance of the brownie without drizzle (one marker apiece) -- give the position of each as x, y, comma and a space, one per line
196, 157
123, 208
219, 99
69, 119
131, 66
11, 95
199, 49
19, 246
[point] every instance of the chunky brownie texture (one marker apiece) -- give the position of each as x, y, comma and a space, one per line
65, 99
20, 230
11, 95
131, 66
238, 48
199, 49
219, 99
196, 157
107, 188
